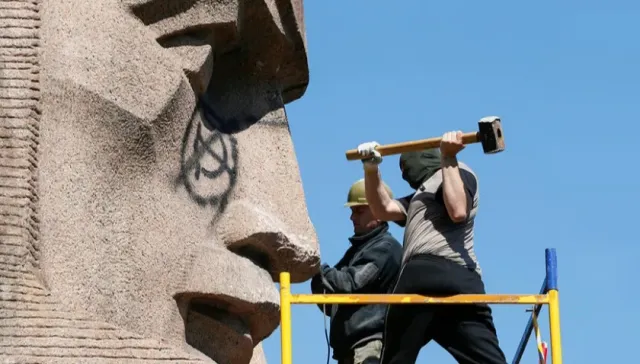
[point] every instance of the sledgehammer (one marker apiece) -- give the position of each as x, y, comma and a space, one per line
489, 134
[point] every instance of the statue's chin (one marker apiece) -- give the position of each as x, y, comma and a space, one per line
225, 328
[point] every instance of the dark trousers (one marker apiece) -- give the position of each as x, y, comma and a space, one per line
465, 331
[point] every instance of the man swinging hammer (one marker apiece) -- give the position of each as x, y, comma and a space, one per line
438, 255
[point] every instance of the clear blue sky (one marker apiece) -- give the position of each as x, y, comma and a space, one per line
565, 78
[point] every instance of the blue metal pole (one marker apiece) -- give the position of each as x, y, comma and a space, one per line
552, 269
529, 328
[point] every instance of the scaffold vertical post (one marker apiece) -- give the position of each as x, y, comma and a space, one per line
554, 305
285, 317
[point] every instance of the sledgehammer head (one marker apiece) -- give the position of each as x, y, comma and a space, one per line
490, 134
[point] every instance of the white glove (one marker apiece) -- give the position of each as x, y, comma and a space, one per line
369, 150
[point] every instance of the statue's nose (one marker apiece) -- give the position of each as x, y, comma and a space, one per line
267, 216
265, 238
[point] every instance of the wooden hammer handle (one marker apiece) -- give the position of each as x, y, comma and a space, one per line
412, 146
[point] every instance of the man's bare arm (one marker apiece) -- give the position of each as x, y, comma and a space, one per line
453, 191
382, 205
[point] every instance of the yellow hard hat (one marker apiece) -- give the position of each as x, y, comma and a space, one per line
357, 197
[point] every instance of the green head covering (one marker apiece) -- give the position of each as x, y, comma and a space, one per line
417, 167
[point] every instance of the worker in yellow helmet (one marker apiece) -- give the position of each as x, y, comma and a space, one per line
370, 265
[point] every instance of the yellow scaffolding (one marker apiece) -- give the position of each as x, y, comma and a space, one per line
548, 296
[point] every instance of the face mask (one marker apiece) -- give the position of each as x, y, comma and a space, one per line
412, 178
417, 167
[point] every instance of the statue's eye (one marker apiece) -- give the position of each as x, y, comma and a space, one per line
209, 22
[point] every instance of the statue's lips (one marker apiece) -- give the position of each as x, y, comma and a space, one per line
231, 300
218, 334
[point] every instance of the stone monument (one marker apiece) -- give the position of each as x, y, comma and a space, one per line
149, 189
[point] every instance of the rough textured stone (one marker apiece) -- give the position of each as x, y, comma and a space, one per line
149, 189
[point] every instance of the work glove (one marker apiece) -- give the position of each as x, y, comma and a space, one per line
373, 156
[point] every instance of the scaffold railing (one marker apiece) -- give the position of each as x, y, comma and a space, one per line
548, 295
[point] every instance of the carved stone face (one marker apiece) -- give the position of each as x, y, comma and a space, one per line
169, 196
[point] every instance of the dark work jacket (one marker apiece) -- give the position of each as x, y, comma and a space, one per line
370, 265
